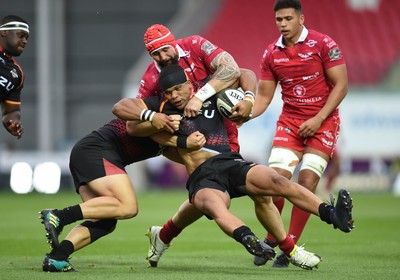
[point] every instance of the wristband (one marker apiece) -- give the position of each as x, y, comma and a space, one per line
181, 141
147, 115
250, 94
205, 92
250, 99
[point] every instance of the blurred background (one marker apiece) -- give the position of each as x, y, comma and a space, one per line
84, 56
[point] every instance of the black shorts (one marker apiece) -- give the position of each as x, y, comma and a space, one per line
93, 157
225, 172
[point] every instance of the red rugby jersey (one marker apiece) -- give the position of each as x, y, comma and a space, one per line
195, 56
300, 70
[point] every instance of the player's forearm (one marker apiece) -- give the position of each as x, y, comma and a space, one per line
128, 109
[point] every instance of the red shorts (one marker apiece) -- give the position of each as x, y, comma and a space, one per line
323, 140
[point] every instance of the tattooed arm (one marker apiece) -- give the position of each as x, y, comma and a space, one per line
226, 74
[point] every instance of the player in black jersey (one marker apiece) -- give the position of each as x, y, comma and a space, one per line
216, 176
14, 34
97, 165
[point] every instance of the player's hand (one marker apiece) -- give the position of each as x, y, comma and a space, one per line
193, 107
164, 122
15, 128
244, 110
310, 126
195, 141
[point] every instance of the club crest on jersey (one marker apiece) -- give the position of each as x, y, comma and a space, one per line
14, 73
299, 90
208, 48
311, 43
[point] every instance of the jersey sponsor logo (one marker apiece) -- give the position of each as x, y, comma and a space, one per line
6, 84
207, 103
335, 54
286, 80
302, 100
284, 139
288, 130
305, 56
331, 44
326, 142
280, 60
311, 77
328, 134
14, 73
265, 53
311, 43
187, 54
142, 83
299, 90
208, 48
209, 114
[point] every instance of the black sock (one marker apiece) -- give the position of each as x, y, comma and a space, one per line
63, 251
69, 215
241, 232
325, 212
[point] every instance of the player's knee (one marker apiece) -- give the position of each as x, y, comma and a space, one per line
315, 163
130, 211
284, 159
100, 228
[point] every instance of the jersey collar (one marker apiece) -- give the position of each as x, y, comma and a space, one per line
302, 38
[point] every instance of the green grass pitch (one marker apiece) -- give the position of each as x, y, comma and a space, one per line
202, 251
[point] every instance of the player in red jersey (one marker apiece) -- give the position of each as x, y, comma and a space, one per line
14, 34
203, 62
97, 165
312, 72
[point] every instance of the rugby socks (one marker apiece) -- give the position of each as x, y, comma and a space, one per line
169, 231
287, 245
298, 221
63, 251
279, 204
326, 212
241, 232
69, 215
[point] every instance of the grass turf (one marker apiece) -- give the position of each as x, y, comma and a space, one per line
202, 251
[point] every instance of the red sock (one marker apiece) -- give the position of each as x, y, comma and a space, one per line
169, 231
298, 221
287, 245
279, 205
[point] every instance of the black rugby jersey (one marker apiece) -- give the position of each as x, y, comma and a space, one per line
11, 79
131, 149
209, 122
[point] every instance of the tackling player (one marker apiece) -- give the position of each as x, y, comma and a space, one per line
230, 174
97, 165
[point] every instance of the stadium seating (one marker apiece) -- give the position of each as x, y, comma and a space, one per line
369, 38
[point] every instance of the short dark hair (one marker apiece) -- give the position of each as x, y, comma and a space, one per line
10, 18
284, 4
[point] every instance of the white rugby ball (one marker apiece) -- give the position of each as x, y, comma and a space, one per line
228, 98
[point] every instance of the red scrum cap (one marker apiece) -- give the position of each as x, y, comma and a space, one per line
158, 36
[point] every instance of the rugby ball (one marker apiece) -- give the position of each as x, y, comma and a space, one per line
228, 98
